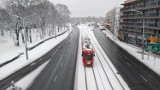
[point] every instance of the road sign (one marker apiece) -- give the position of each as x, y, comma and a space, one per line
153, 39
152, 47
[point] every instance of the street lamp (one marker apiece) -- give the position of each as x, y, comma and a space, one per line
143, 29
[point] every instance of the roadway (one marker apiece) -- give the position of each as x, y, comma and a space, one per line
59, 73
136, 75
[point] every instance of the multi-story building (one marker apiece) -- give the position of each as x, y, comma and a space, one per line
140, 18
112, 19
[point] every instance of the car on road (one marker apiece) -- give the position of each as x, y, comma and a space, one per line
102, 27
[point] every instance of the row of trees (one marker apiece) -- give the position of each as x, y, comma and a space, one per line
24, 15
87, 19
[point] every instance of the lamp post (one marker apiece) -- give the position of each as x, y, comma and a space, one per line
143, 30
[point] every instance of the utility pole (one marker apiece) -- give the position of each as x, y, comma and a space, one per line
26, 50
143, 35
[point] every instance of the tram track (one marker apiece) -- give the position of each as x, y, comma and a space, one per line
101, 76
95, 46
90, 77
89, 72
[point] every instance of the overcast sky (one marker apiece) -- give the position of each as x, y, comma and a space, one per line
83, 8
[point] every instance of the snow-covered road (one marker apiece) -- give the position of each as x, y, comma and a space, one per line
103, 75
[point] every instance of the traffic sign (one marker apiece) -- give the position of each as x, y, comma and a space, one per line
153, 39
152, 47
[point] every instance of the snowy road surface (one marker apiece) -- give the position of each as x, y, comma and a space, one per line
137, 75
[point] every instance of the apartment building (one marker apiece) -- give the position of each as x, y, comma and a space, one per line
112, 19
140, 18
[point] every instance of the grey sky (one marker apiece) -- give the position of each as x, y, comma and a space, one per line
83, 8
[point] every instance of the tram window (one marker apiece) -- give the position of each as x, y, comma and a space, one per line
88, 57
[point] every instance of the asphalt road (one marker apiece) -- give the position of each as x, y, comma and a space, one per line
137, 75
59, 73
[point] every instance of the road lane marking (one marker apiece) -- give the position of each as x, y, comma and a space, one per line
150, 75
144, 78
59, 46
129, 64
55, 78
125, 57
61, 64
33, 64
40, 59
53, 54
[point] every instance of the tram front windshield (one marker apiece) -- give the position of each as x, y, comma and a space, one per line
88, 57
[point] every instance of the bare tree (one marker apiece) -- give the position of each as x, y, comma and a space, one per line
64, 14
18, 9
23, 15
4, 20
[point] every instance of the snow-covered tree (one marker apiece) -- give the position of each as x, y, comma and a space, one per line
64, 14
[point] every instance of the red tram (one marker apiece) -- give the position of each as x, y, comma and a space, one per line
87, 53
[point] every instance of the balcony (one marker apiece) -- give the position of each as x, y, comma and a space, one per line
130, 31
140, 16
143, 7
153, 4
140, 25
124, 9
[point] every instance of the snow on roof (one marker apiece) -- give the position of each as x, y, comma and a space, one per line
87, 46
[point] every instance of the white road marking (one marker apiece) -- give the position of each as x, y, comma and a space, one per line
61, 64
53, 54
129, 64
150, 75
33, 64
144, 78
40, 59
126, 57
55, 78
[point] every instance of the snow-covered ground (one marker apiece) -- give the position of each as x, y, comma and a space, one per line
8, 50
33, 55
103, 75
152, 62
25, 82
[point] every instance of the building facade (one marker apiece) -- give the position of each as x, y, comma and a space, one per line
112, 19
140, 18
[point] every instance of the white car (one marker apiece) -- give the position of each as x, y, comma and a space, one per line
102, 27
